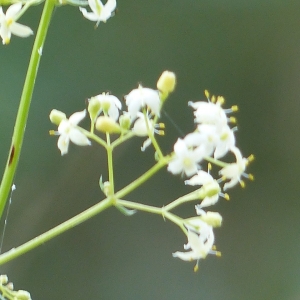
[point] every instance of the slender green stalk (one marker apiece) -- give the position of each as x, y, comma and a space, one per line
22, 115
110, 164
41, 239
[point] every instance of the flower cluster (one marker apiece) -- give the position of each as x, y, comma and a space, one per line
7, 290
212, 140
140, 118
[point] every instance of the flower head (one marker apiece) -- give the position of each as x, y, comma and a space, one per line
142, 97
185, 160
8, 24
211, 187
68, 131
99, 12
234, 171
200, 242
109, 104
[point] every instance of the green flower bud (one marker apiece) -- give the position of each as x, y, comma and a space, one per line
56, 116
107, 125
94, 108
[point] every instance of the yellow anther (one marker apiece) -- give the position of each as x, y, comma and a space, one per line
234, 108
226, 197
209, 166
251, 158
251, 177
218, 253
51, 132
232, 120
242, 183
214, 247
161, 125
206, 93
213, 99
160, 132
196, 268
220, 100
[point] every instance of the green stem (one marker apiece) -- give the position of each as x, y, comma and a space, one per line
41, 239
22, 115
109, 151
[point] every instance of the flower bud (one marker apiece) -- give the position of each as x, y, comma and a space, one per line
22, 295
107, 125
166, 83
213, 219
94, 108
125, 121
3, 279
211, 188
56, 116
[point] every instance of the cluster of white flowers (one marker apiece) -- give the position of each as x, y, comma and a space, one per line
9, 26
143, 106
212, 139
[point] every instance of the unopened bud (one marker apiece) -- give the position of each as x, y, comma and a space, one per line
94, 108
166, 82
56, 116
22, 295
125, 121
107, 125
212, 218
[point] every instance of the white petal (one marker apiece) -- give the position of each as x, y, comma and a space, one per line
63, 144
111, 5
187, 256
89, 15
13, 10
78, 138
20, 30
96, 6
77, 117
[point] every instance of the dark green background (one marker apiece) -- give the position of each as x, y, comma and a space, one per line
247, 51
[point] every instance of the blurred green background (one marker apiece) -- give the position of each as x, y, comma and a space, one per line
247, 51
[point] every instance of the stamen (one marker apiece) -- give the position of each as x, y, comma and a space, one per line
242, 183
232, 120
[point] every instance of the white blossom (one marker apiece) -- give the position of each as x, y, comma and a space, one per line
208, 113
185, 160
110, 103
200, 242
210, 186
142, 97
69, 132
99, 12
234, 171
9, 26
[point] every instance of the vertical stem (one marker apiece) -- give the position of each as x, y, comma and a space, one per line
109, 151
22, 115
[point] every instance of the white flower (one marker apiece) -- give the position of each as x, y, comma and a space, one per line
142, 97
200, 242
210, 186
208, 113
99, 12
186, 160
220, 137
8, 24
140, 128
234, 171
109, 103
68, 131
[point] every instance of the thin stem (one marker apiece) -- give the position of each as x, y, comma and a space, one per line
41, 239
195, 195
22, 115
152, 209
109, 151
